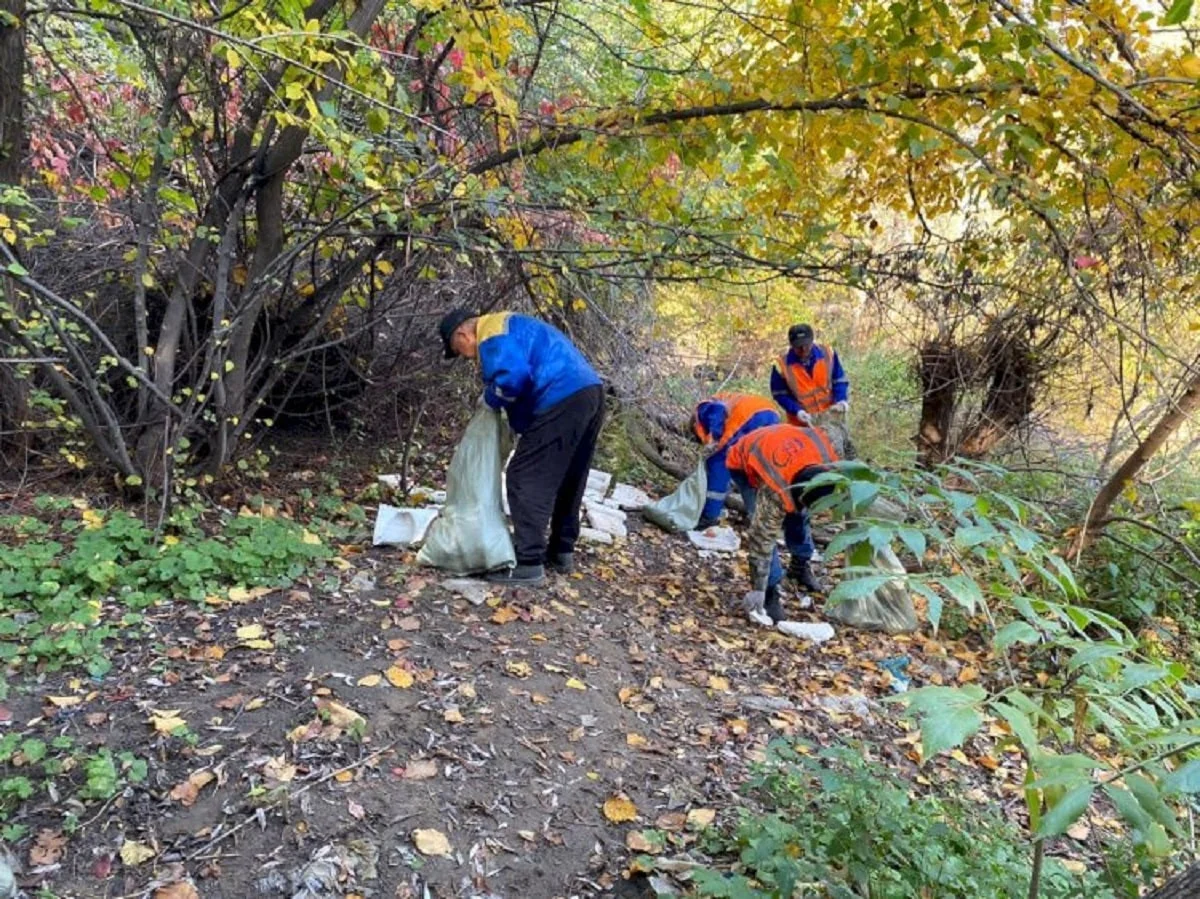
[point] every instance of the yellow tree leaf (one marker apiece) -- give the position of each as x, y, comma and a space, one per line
166, 721
431, 842
133, 853
618, 809
398, 677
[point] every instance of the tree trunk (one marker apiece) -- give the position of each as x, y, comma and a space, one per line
1185, 885
13, 390
939, 395
1177, 414
1011, 385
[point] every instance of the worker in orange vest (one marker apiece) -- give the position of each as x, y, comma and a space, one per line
717, 423
783, 459
809, 379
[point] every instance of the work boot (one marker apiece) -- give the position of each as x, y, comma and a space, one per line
801, 574
561, 563
519, 576
773, 604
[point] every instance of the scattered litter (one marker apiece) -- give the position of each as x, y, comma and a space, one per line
850, 704
897, 668
817, 632
768, 703
591, 535
8, 879
629, 497
597, 484
395, 526
335, 869
817, 556
680, 511
361, 581
717, 539
473, 591
758, 616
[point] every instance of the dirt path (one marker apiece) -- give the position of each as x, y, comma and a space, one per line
347, 726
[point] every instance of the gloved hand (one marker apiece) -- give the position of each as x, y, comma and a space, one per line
802, 418
753, 601
841, 406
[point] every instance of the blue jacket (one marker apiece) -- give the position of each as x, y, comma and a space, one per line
783, 394
528, 366
712, 416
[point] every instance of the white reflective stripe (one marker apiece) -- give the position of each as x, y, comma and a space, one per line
818, 445
714, 494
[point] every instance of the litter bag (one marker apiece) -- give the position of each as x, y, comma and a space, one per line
888, 608
680, 511
470, 535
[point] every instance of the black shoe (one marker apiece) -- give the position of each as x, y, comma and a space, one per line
561, 563
520, 576
705, 523
773, 605
800, 572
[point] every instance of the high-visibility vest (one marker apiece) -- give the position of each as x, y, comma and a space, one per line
774, 456
739, 409
813, 392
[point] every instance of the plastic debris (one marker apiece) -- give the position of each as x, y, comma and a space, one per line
814, 631
8, 877
396, 526
605, 518
680, 511
897, 667
597, 484
473, 591
591, 535
716, 539
335, 868
629, 497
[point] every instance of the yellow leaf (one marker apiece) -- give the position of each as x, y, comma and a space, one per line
431, 842
618, 809
504, 615
279, 769
135, 853
257, 644
369, 680
338, 714
92, 519
398, 677
166, 721
637, 741
256, 703
250, 631
959, 756
344, 777
576, 684
241, 594
699, 818
188, 791
518, 669
62, 702
717, 683
309, 538
453, 715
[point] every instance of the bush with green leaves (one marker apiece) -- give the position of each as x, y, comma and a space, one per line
1094, 711
830, 824
69, 584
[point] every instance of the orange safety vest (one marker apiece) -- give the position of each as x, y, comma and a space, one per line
739, 409
774, 456
813, 392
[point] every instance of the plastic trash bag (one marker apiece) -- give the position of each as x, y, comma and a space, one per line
396, 526
680, 511
470, 535
889, 608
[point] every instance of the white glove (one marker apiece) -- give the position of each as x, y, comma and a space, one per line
753, 601
803, 417
841, 406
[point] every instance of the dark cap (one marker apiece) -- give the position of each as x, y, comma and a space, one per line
803, 333
449, 325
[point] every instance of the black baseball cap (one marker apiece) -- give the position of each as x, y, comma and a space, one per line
450, 322
803, 333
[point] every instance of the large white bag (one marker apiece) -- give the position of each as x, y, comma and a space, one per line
681, 510
470, 535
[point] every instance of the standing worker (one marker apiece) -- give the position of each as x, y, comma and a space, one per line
783, 459
555, 403
717, 423
808, 379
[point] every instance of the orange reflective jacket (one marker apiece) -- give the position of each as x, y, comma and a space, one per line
813, 392
739, 409
774, 456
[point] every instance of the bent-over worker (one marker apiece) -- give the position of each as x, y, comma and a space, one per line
717, 423
783, 459
555, 403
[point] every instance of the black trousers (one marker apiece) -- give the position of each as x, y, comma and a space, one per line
548, 474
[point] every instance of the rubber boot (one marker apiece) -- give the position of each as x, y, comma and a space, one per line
800, 573
561, 563
520, 576
773, 605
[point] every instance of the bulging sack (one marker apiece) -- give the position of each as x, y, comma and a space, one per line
887, 608
471, 535
681, 510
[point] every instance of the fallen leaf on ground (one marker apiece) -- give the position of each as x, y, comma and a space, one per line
409, 623
637, 741
618, 809
62, 702
357, 812
716, 682
398, 677
231, 702
189, 791
518, 669
242, 594
250, 632
968, 674
133, 853
48, 848
166, 721
636, 841
504, 615
182, 889
279, 769
431, 842
576, 684
453, 715
420, 769
527, 835
671, 821
700, 817
370, 680
339, 715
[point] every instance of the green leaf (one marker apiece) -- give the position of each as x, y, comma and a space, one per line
966, 537
1016, 632
1148, 797
933, 603
1066, 811
947, 728
1185, 779
1178, 13
964, 590
15, 268
1128, 807
1020, 724
914, 540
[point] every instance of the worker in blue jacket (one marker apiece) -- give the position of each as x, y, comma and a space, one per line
555, 403
718, 422
809, 379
